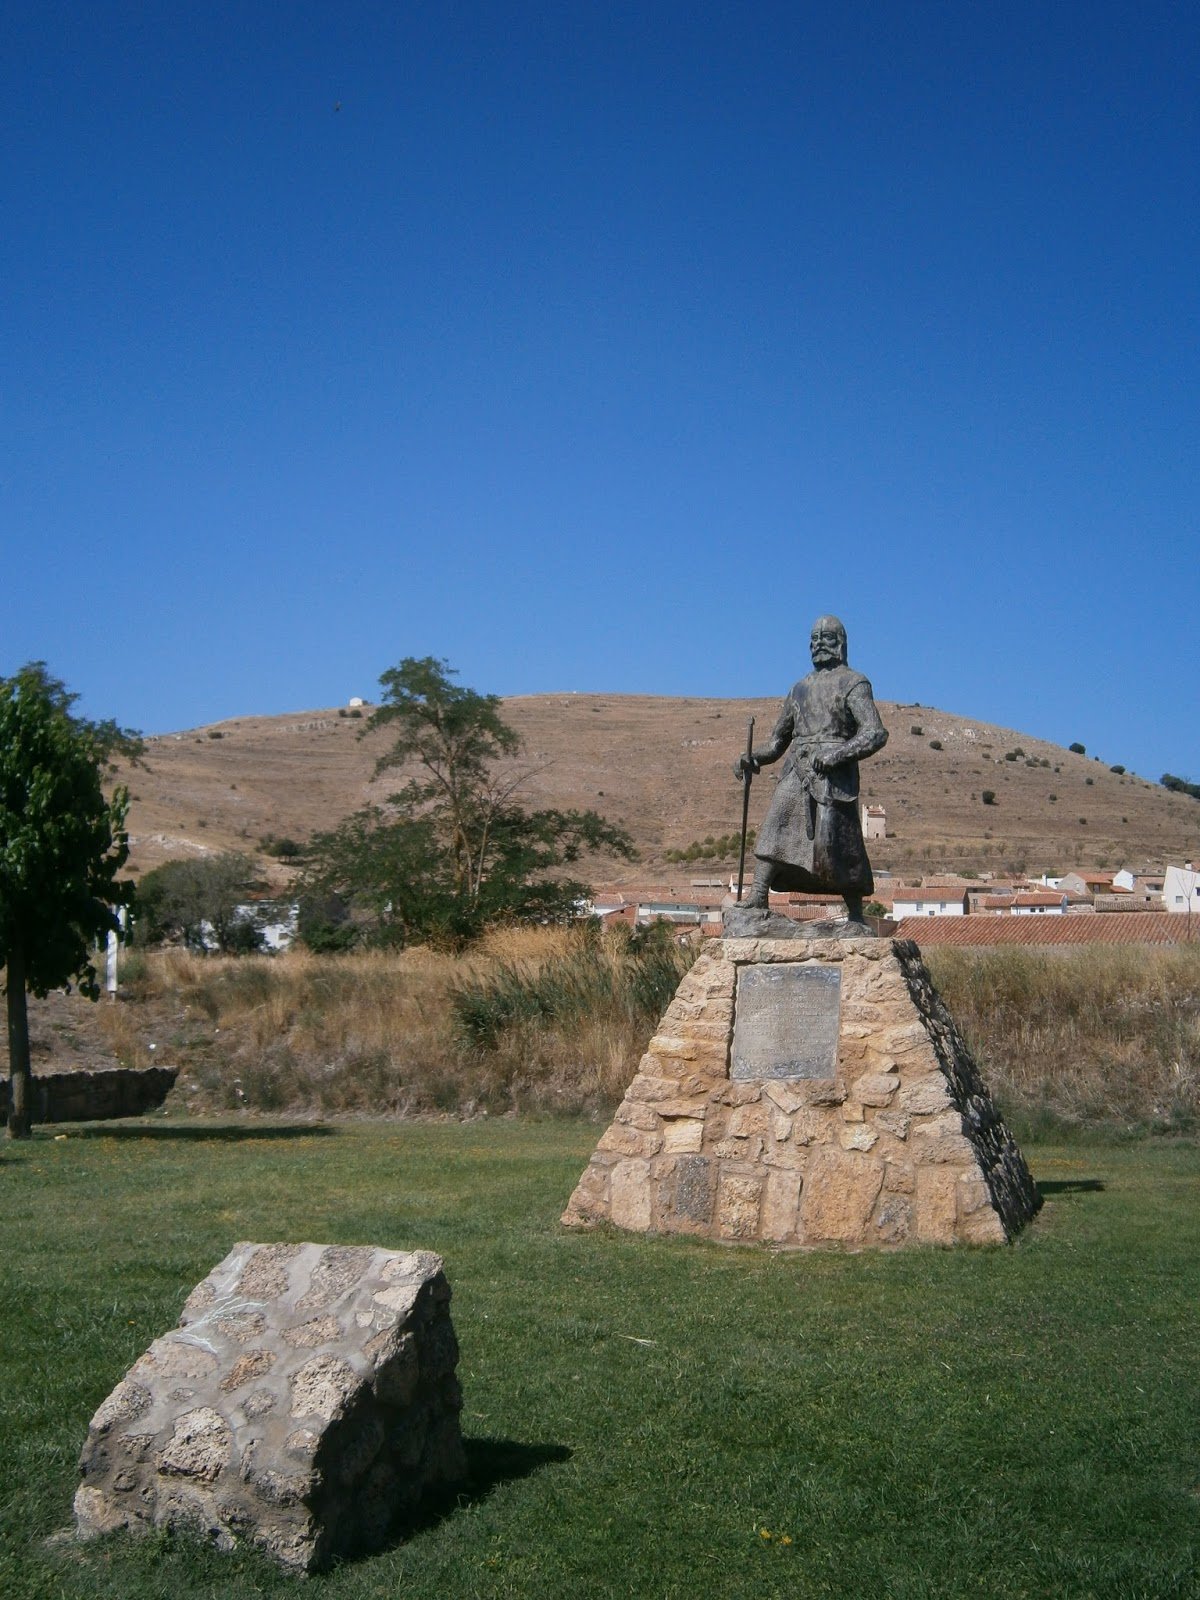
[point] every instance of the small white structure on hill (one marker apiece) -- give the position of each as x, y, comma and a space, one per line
874, 822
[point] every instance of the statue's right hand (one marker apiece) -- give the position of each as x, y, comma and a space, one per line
742, 766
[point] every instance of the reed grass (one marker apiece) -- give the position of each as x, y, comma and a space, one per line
621, 982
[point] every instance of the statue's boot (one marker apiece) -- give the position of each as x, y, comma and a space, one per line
759, 897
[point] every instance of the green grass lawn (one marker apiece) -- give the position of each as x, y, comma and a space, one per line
648, 1417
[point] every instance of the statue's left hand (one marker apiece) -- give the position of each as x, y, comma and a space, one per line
821, 764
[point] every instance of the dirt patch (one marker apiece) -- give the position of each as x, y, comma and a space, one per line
65, 1035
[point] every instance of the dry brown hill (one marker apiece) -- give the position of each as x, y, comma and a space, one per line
663, 769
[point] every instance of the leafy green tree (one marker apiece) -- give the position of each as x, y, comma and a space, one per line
325, 924
390, 874
201, 902
453, 850
455, 736
62, 844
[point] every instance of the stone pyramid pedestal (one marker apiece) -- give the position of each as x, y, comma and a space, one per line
809, 1093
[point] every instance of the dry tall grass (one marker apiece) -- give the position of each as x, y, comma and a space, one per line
1093, 1036
1107, 1037
373, 1032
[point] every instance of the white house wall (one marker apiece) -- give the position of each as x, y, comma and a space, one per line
1181, 890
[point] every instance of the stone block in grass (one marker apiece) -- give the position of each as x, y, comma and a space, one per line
307, 1399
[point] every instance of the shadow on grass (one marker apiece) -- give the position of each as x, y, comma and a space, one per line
1047, 1186
490, 1462
231, 1133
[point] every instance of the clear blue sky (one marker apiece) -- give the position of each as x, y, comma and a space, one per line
601, 347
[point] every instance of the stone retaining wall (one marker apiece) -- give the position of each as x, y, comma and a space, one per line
93, 1096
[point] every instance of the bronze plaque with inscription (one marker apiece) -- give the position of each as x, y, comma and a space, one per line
786, 1021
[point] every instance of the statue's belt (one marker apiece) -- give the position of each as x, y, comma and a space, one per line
806, 778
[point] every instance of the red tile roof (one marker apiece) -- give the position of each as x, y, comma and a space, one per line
942, 893
1115, 927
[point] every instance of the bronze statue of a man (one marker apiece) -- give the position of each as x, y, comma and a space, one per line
812, 838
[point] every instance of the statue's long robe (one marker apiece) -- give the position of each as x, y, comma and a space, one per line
812, 833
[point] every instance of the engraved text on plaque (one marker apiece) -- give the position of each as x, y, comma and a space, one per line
786, 1021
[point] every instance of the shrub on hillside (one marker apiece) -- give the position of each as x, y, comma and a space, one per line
284, 849
724, 848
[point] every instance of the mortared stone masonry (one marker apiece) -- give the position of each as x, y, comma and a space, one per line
809, 1093
307, 1397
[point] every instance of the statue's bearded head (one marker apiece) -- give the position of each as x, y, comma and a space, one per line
828, 643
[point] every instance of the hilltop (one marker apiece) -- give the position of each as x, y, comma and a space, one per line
662, 768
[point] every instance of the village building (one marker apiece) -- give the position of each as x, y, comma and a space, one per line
1181, 889
994, 889
609, 910
1086, 883
933, 901
1124, 900
1026, 903
680, 912
1146, 886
